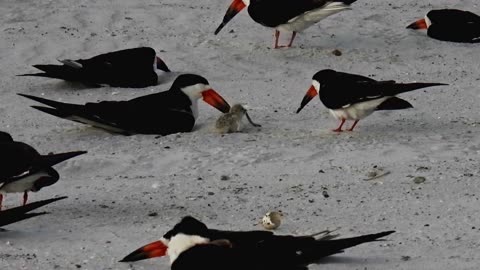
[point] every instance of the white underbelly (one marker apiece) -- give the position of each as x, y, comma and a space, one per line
24, 184
310, 18
359, 110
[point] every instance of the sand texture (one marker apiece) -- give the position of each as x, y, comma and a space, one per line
128, 191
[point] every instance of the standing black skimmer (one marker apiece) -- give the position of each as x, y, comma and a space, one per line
137, 67
23, 169
191, 245
450, 25
20, 213
286, 15
161, 113
354, 97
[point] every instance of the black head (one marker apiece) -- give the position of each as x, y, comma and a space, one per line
186, 80
324, 75
5, 137
446, 16
189, 226
46, 181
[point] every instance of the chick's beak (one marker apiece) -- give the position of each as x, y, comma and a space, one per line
152, 250
311, 93
211, 97
420, 24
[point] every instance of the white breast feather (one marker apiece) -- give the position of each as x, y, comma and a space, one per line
181, 242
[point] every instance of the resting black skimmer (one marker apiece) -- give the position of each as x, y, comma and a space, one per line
23, 169
137, 67
20, 213
191, 245
354, 97
286, 15
161, 113
450, 25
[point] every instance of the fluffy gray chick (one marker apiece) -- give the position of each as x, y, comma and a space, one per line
231, 121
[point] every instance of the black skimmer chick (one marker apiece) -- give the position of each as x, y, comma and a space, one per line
161, 113
354, 97
231, 121
23, 169
20, 213
137, 67
450, 25
286, 15
191, 245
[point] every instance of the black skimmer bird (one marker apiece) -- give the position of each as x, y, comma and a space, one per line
137, 67
161, 113
286, 15
20, 213
450, 25
354, 97
23, 169
191, 245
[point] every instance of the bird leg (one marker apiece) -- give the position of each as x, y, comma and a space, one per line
294, 34
25, 197
339, 129
353, 126
277, 36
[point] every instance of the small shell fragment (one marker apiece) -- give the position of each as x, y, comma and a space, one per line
272, 220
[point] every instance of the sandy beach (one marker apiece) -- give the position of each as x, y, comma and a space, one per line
129, 190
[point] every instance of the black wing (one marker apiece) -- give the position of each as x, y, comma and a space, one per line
277, 252
125, 68
157, 113
16, 214
344, 89
272, 13
16, 158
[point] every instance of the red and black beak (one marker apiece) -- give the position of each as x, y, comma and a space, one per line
152, 250
311, 93
214, 99
420, 24
234, 9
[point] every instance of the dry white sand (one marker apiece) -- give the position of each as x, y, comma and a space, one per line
128, 191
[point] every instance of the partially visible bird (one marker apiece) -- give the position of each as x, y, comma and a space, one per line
354, 97
191, 245
286, 15
20, 213
450, 25
136, 68
23, 169
232, 121
163, 113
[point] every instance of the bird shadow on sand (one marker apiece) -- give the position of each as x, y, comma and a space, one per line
342, 259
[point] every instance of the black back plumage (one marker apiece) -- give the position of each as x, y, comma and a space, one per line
124, 68
19, 159
454, 25
259, 249
272, 13
161, 113
339, 89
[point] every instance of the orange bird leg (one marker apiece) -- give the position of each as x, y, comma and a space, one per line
294, 34
277, 37
339, 129
353, 126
